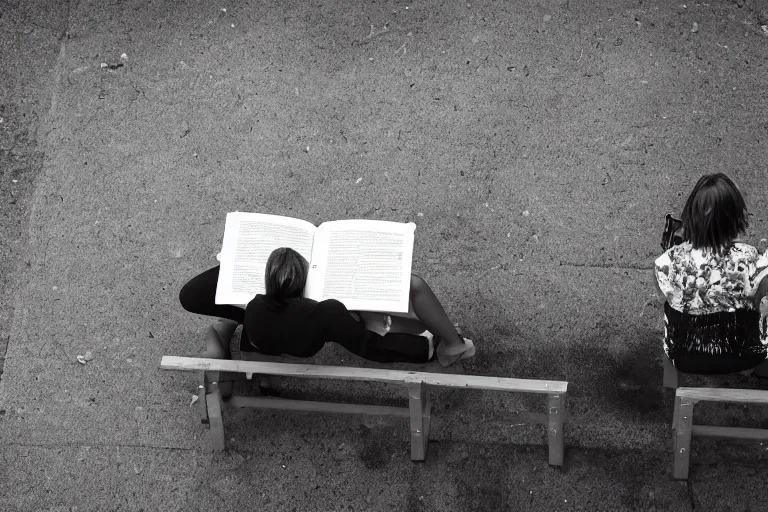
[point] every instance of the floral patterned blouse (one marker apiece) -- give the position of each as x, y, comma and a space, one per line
699, 282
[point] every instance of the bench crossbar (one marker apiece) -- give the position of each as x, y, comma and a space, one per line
729, 432
264, 402
736, 396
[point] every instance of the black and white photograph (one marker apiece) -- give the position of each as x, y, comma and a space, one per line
383, 255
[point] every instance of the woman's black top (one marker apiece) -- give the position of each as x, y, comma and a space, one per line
300, 327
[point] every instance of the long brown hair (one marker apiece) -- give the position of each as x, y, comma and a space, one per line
285, 275
715, 213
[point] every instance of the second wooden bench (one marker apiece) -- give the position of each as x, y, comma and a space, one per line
682, 423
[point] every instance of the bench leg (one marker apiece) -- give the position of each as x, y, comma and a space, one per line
675, 412
556, 412
265, 381
215, 420
202, 404
683, 439
671, 376
418, 403
273, 382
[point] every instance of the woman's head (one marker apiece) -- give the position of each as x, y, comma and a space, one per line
715, 213
285, 275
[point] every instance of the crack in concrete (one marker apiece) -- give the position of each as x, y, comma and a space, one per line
691, 496
36, 193
604, 265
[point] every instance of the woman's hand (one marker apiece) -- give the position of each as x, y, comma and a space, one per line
380, 323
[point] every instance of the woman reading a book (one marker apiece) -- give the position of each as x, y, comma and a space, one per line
713, 286
281, 321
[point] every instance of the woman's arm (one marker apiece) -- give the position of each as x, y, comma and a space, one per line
756, 287
760, 289
661, 270
658, 286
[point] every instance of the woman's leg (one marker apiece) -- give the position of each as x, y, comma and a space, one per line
425, 308
410, 322
218, 337
425, 313
339, 326
407, 325
199, 296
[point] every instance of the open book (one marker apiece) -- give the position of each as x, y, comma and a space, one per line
365, 264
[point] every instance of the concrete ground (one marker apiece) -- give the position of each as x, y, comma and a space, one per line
537, 146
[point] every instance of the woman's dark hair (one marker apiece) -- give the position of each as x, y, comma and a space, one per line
715, 213
285, 275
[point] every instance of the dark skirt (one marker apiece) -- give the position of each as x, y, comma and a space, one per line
715, 343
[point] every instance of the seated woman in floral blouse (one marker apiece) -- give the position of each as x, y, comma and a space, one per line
713, 286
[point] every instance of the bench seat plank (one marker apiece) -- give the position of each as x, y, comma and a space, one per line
366, 374
739, 396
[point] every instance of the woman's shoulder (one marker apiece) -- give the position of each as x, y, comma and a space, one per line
664, 260
684, 254
747, 259
264, 307
331, 304
674, 255
255, 301
256, 306
744, 251
264, 301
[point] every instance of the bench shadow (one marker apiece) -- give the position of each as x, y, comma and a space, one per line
516, 477
630, 382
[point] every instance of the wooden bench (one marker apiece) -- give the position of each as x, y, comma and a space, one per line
672, 380
417, 384
686, 398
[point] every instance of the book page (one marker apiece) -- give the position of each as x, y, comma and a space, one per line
249, 239
365, 264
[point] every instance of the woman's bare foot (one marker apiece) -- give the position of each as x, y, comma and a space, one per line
267, 386
431, 339
451, 353
379, 323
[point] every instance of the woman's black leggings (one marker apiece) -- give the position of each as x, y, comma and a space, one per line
338, 326
199, 296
